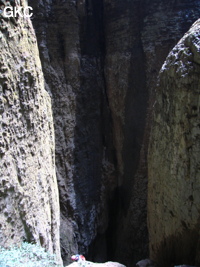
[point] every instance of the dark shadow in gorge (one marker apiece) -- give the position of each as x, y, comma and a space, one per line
92, 133
92, 137
127, 232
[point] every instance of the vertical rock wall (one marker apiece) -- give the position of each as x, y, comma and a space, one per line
29, 204
70, 36
173, 161
100, 61
138, 37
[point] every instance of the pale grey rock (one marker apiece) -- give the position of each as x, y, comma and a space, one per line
94, 264
29, 204
174, 153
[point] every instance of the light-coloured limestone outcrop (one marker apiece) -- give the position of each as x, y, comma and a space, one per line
29, 205
174, 157
94, 264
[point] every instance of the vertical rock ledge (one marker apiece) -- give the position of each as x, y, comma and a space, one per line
29, 205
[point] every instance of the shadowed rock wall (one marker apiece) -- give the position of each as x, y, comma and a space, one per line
70, 36
173, 161
100, 61
127, 93
29, 204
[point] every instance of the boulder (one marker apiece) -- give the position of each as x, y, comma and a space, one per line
173, 158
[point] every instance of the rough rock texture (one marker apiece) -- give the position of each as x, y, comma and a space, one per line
70, 42
138, 37
173, 161
29, 204
100, 61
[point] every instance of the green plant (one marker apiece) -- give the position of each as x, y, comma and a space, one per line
28, 255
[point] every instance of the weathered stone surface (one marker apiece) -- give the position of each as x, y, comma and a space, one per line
70, 42
100, 60
102, 57
29, 204
173, 161
138, 37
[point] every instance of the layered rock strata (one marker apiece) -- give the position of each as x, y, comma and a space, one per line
29, 204
173, 160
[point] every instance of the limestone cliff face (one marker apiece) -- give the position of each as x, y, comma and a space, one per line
173, 161
70, 36
138, 37
29, 205
100, 61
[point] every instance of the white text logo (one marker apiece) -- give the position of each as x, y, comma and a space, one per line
17, 11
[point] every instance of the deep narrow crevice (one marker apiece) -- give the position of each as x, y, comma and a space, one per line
78, 41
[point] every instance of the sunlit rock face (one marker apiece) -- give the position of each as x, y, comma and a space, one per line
173, 160
29, 204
